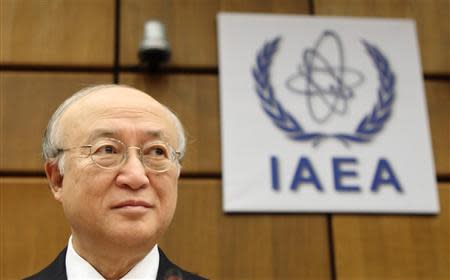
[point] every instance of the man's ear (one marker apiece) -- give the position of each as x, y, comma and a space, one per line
54, 178
179, 169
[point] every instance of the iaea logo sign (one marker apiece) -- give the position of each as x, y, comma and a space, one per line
323, 115
333, 97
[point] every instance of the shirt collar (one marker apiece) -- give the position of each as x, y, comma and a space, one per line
79, 268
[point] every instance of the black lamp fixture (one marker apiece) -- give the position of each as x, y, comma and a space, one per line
154, 49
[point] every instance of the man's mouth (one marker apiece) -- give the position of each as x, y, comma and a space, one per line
132, 204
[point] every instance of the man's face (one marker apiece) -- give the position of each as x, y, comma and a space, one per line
128, 205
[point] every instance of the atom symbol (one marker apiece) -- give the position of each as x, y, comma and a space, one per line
328, 88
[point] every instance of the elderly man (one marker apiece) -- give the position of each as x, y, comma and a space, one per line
112, 160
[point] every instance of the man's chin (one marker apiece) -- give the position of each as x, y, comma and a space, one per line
136, 237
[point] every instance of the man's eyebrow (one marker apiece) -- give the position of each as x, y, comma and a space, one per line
106, 133
156, 134
102, 133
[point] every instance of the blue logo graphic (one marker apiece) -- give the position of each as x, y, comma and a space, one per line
328, 87
371, 124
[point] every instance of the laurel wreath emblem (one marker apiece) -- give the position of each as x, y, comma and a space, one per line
368, 127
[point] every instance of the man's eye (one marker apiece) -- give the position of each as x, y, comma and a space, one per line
106, 149
156, 151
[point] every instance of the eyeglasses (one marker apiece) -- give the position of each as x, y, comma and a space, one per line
110, 153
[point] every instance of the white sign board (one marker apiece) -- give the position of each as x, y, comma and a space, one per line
323, 114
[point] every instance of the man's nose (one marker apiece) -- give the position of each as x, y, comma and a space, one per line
132, 173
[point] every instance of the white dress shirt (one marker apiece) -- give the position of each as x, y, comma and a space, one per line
78, 268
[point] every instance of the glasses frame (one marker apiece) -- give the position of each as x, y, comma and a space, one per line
174, 155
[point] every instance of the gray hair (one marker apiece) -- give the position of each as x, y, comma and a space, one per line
52, 142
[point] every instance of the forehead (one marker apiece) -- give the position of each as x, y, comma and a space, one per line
117, 111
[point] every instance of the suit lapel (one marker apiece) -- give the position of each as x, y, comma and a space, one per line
55, 271
166, 269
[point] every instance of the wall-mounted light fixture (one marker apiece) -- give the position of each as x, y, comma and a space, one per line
154, 49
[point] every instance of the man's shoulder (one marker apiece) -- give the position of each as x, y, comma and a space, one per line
55, 271
168, 270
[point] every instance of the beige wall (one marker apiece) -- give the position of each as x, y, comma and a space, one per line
49, 49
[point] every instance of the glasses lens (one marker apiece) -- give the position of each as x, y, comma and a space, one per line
107, 153
157, 156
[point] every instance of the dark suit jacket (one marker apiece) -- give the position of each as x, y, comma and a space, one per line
166, 270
